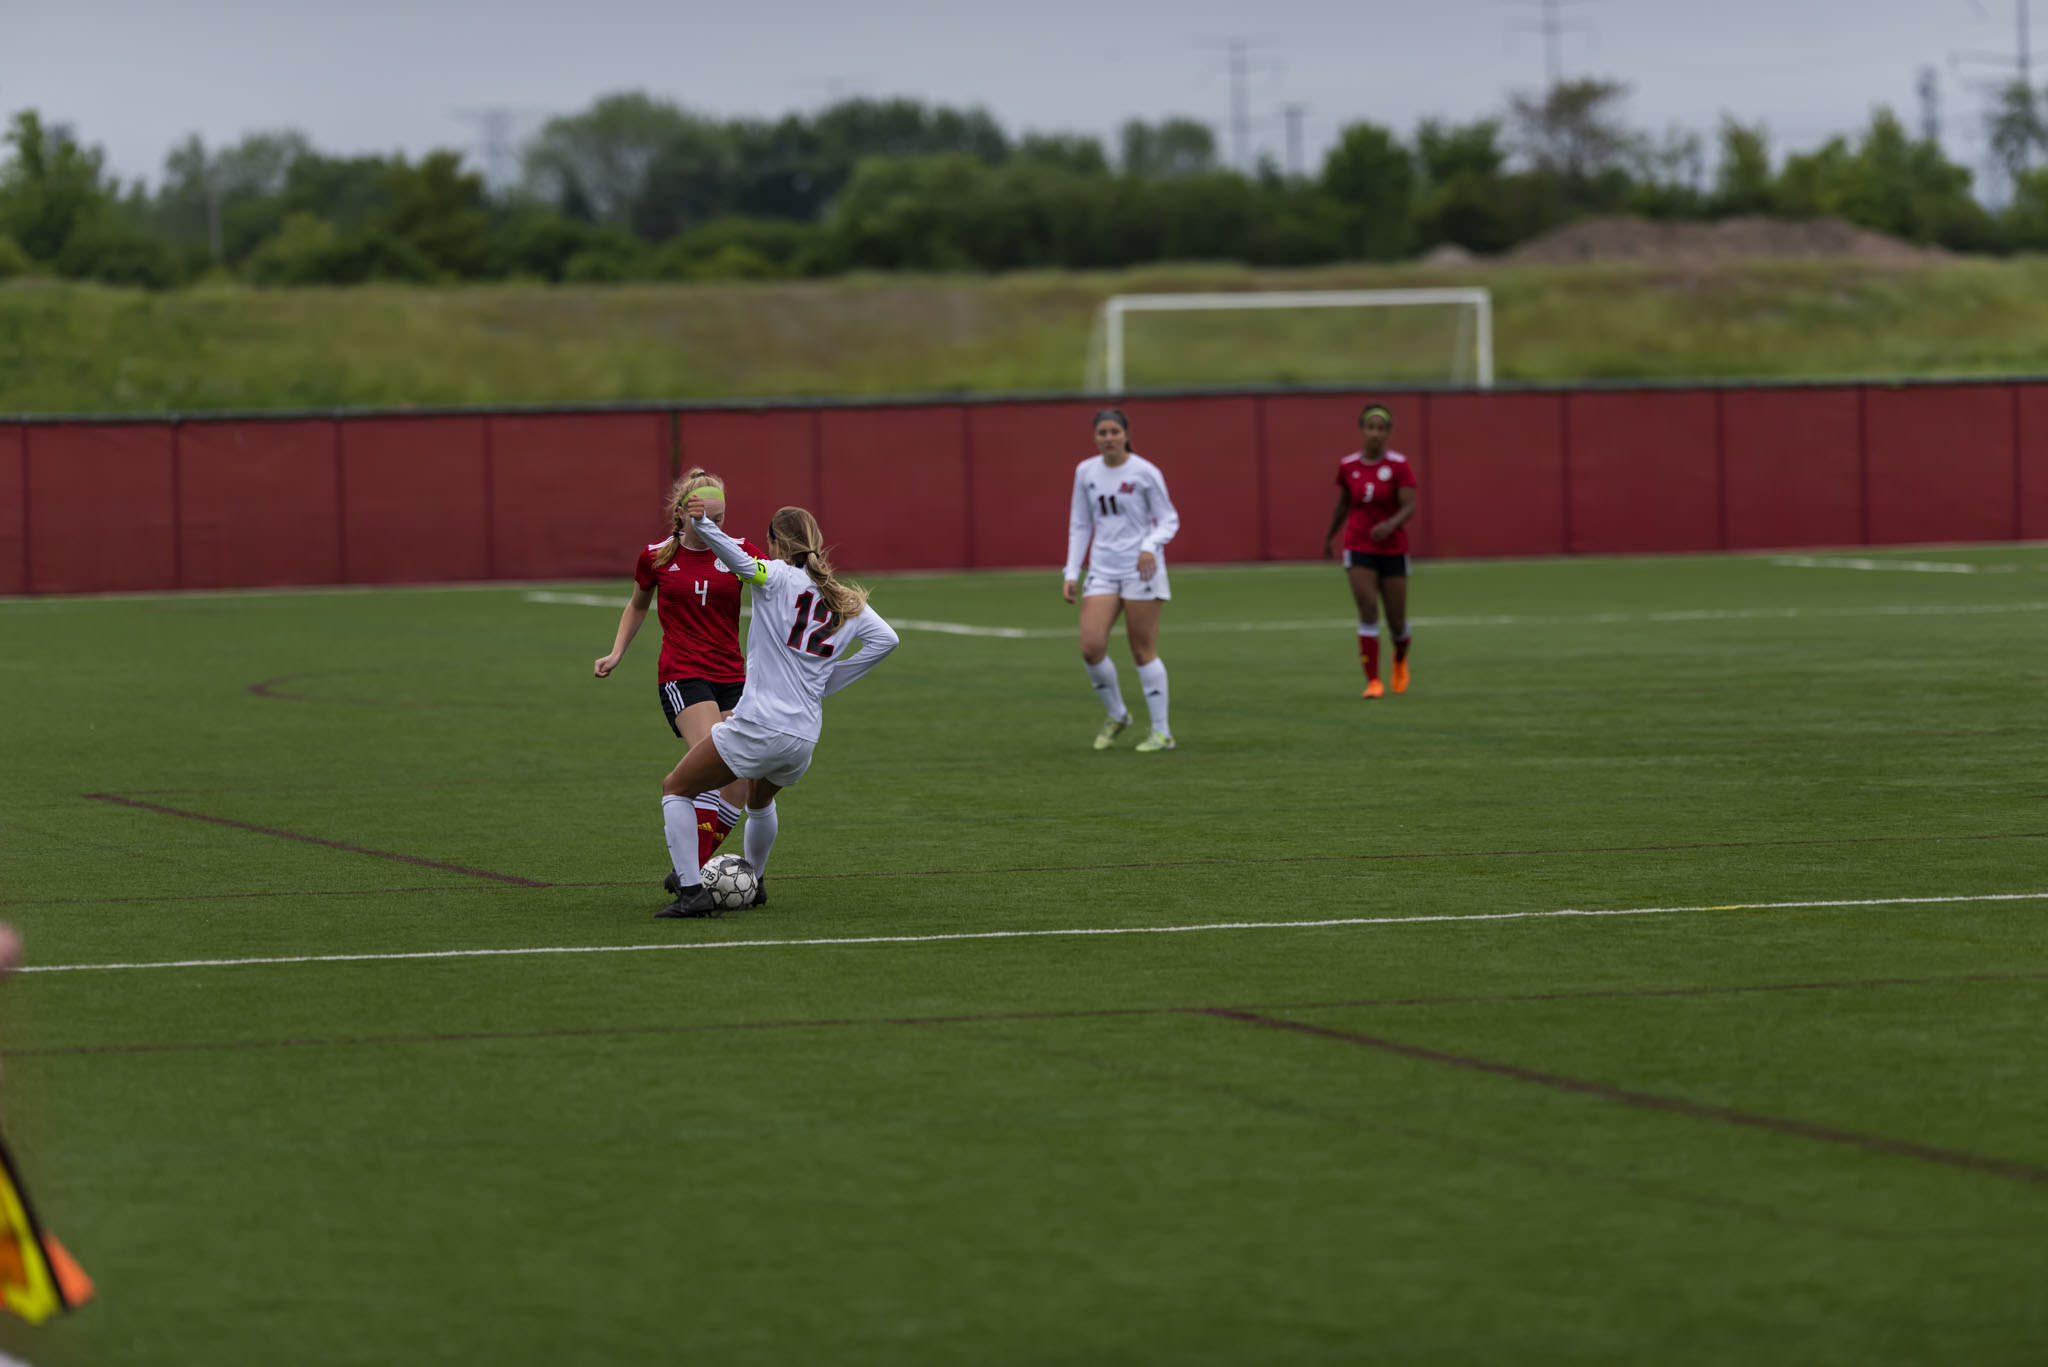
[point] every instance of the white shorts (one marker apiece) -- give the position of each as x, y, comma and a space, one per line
753, 751
1129, 587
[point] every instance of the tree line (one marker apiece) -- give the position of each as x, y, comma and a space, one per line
639, 188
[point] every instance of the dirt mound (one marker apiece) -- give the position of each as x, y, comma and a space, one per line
1659, 243
1447, 256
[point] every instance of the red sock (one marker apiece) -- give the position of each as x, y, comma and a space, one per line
1400, 649
712, 829
1369, 656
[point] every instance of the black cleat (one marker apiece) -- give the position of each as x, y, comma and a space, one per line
672, 883
760, 894
695, 901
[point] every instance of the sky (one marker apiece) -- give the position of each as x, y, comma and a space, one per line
382, 76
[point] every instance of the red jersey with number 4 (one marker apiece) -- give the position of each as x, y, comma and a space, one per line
1375, 490
699, 604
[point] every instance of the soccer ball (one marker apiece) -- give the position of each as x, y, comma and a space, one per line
731, 881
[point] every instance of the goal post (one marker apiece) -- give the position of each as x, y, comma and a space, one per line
1106, 345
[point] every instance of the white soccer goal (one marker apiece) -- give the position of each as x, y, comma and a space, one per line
1474, 333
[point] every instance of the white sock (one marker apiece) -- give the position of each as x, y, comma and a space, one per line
1365, 629
1152, 678
759, 837
1102, 674
679, 824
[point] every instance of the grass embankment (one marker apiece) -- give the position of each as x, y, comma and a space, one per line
75, 348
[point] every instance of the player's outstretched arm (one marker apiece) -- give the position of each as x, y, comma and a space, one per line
629, 627
747, 569
877, 639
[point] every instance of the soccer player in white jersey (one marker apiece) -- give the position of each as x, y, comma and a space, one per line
811, 636
1120, 524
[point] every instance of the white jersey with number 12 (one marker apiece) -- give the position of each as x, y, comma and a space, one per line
797, 654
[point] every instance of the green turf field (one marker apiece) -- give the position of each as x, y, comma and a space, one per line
1375, 1099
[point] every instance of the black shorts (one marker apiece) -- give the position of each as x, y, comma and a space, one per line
678, 694
1386, 566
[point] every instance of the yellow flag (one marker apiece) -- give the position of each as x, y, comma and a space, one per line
38, 1278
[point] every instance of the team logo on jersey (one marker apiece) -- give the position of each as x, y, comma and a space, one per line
1386, 472
1127, 488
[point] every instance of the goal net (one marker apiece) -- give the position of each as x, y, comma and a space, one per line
1294, 337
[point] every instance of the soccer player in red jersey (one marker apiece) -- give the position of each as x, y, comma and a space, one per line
1375, 500
702, 671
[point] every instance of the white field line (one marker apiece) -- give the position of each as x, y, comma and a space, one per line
1488, 620
1850, 562
1027, 934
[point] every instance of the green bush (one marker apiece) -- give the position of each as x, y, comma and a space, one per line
312, 251
13, 260
104, 249
606, 261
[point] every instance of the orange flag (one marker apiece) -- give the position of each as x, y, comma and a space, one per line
38, 1277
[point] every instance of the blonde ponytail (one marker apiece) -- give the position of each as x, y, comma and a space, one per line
793, 535
689, 484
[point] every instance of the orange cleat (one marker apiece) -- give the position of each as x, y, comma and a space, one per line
1400, 676
1374, 689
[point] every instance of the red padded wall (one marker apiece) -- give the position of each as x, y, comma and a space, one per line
1305, 436
1793, 467
1941, 463
101, 508
1208, 450
257, 504
1496, 467
1643, 474
414, 506
576, 494
2033, 467
767, 458
1024, 456
910, 463
13, 512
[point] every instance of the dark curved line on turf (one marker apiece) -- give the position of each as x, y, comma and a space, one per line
1001, 1017
342, 845
1652, 1101
1461, 1142
1415, 857
267, 688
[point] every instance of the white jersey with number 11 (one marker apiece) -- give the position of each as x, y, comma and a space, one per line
1126, 511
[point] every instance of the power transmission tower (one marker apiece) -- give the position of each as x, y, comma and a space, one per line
1292, 113
2020, 62
1553, 25
497, 138
1241, 66
1928, 87
2016, 78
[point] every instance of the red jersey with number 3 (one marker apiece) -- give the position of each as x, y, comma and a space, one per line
1375, 490
699, 604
